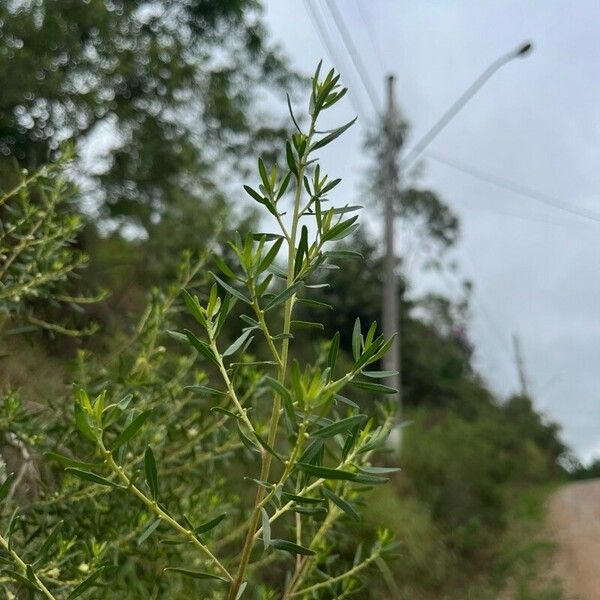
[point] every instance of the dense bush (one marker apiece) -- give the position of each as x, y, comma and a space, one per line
160, 458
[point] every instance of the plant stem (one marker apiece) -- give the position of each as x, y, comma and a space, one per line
153, 506
225, 376
276, 411
23, 566
328, 582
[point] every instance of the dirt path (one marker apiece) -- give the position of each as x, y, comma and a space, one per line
574, 523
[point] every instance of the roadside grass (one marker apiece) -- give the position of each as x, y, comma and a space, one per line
521, 563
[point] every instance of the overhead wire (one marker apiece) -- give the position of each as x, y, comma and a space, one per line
501, 182
511, 186
355, 99
368, 86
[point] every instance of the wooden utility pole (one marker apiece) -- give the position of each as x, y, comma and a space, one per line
390, 304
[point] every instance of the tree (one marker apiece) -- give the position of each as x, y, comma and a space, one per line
173, 86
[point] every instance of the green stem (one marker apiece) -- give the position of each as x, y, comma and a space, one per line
230, 389
276, 411
260, 315
329, 582
23, 566
153, 506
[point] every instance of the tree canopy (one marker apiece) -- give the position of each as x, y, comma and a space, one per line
168, 88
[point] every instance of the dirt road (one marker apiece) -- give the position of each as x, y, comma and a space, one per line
574, 523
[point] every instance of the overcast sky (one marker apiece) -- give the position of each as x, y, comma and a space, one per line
535, 123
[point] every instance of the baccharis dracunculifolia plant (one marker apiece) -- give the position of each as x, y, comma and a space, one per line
311, 444
38, 257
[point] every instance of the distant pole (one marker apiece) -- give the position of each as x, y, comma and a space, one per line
390, 304
520, 363
390, 312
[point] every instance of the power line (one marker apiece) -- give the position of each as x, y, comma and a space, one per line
319, 27
500, 182
354, 54
364, 17
511, 186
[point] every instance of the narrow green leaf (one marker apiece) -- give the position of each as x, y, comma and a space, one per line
194, 307
266, 528
301, 251
205, 390
87, 583
264, 176
241, 590
312, 451
284, 295
285, 395
151, 472
333, 352
81, 420
332, 136
291, 547
224, 267
202, 347
378, 470
176, 335
255, 195
71, 462
327, 473
238, 343
350, 441
301, 499
310, 510
195, 574
114, 411
48, 542
284, 185
19, 578
373, 387
307, 325
270, 256
224, 411
343, 254
235, 293
333, 183
370, 479
148, 531
268, 448
89, 476
289, 103
291, 161
342, 504
382, 351
130, 430
339, 426
379, 374
246, 440
356, 341
314, 303
208, 525
347, 401
341, 230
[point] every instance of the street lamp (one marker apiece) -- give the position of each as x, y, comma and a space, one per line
389, 310
520, 52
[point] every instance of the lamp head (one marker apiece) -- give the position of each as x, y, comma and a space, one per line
524, 49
